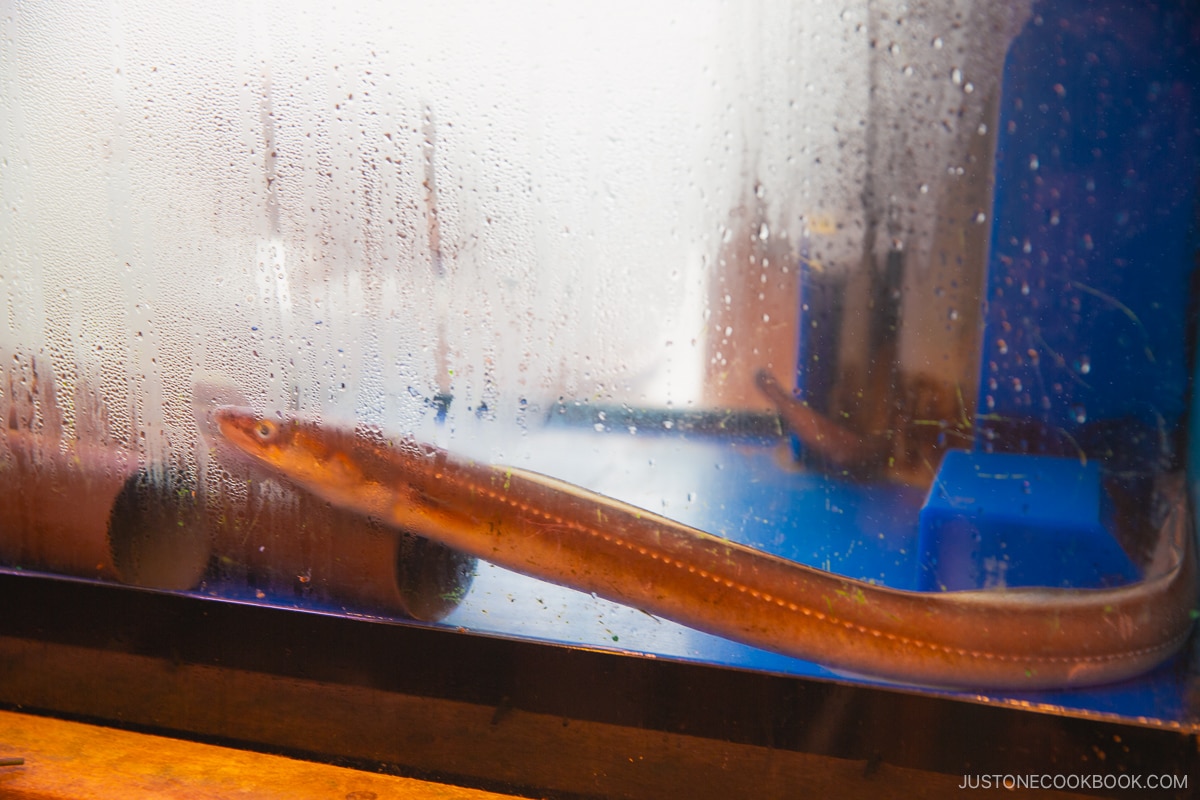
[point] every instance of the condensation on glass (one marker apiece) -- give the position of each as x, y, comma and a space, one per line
562, 237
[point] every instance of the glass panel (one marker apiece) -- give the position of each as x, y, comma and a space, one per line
762, 272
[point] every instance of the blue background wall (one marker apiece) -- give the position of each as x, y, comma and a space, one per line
1093, 240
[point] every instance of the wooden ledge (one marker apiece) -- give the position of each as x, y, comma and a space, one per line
72, 760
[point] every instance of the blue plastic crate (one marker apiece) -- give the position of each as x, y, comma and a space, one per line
1001, 519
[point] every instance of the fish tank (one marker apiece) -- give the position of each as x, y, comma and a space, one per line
609, 400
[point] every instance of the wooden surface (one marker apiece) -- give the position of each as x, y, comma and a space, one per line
508, 744
72, 760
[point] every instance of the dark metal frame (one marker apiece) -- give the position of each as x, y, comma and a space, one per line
520, 716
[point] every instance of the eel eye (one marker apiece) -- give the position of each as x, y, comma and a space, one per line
264, 430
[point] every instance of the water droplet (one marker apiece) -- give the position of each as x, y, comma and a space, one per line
1085, 365
894, 49
956, 76
937, 43
1025, 288
1034, 163
764, 233
968, 87
1002, 346
980, 217
1079, 413
924, 188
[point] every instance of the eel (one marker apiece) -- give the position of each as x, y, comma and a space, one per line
1012, 639
840, 445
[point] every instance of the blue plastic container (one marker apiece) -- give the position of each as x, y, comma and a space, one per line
1001, 520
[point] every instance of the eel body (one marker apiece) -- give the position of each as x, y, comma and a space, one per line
561, 533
